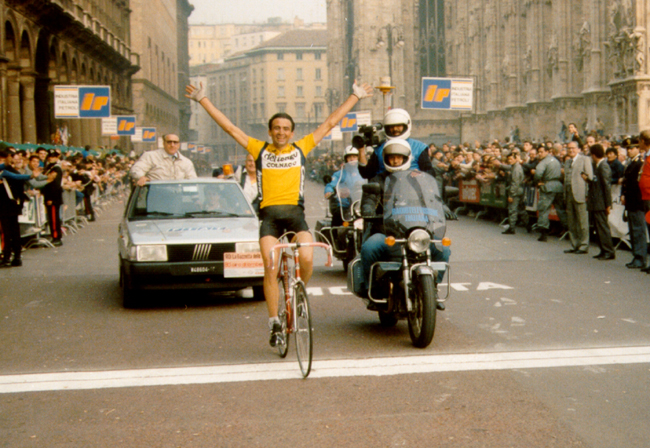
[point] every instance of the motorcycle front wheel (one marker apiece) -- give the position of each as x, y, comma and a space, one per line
422, 320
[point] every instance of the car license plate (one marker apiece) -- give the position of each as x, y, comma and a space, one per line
194, 270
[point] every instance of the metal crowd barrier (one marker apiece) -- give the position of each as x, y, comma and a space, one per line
33, 221
494, 195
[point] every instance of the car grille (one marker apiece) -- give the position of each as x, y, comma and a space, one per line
198, 252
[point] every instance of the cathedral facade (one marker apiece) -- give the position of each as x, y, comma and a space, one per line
537, 65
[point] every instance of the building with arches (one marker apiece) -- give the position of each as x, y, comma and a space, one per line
44, 43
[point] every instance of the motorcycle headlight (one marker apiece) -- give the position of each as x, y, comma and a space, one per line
419, 241
151, 252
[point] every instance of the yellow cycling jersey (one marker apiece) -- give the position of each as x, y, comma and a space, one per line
281, 174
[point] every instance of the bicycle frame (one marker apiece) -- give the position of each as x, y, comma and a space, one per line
289, 279
295, 313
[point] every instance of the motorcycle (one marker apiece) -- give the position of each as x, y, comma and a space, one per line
406, 286
346, 238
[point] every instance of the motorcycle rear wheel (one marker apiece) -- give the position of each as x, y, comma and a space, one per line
422, 320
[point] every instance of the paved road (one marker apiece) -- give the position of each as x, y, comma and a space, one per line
536, 348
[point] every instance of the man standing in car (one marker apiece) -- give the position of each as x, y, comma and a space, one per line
163, 164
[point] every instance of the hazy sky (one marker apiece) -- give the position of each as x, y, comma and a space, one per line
250, 11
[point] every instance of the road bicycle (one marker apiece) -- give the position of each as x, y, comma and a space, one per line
293, 303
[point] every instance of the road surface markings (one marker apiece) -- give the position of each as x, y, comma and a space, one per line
323, 369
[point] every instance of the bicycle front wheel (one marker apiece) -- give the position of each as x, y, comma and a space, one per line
283, 315
302, 319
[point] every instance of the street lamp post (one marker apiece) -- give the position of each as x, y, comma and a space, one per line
394, 39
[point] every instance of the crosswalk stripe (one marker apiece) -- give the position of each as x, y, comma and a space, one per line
322, 369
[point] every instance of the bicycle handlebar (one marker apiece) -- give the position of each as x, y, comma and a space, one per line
298, 245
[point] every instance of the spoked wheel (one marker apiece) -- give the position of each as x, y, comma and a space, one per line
283, 348
422, 321
304, 341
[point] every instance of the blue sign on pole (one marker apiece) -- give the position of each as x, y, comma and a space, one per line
436, 93
350, 123
447, 93
149, 135
94, 102
126, 125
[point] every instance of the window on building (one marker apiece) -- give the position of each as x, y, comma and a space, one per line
300, 111
280, 56
299, 73
262, 92
281, 107
280, 74
300, 91
319, 91
319, 74
318, 111
281, 93
317, 56
298, 56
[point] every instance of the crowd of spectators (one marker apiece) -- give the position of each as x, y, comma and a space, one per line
491, 162
26, 175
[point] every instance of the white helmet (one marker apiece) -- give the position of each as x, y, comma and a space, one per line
398, 116
350, 151
397, 146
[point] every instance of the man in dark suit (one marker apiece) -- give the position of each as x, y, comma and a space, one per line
631, 198
599, 202
578, 172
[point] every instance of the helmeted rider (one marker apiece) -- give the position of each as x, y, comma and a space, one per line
397, 156
397, 125
351, 157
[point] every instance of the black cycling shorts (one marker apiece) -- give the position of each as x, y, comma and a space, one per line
276, 220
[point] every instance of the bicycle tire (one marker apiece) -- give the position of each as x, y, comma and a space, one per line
283, 348
303, 330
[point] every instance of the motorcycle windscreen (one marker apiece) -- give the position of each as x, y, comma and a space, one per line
348, 189
412, 200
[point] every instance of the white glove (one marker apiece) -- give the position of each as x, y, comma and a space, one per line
197, 94
359, 91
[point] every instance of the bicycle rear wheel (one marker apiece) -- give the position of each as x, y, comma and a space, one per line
302, 319
283, 347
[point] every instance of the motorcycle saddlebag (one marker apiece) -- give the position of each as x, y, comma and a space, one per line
355, 275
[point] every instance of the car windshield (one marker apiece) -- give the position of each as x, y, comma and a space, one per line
189, 200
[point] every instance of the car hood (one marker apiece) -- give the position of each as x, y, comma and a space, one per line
194, 231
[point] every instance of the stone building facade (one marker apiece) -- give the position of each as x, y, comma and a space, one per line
159, 34
45, 43
535, 63
285, 74
539, 63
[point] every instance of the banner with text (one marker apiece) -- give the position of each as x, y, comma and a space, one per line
82, 101
447, 93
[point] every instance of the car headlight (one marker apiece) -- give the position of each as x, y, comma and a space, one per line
151, 252
419, 241
247, 247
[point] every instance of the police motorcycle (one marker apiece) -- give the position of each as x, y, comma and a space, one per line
405, 286
343, 230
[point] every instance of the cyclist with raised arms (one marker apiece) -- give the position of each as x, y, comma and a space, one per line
281, 175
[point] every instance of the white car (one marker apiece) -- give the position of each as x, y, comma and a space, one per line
189, 234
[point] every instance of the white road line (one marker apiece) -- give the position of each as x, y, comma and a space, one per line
322, 369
